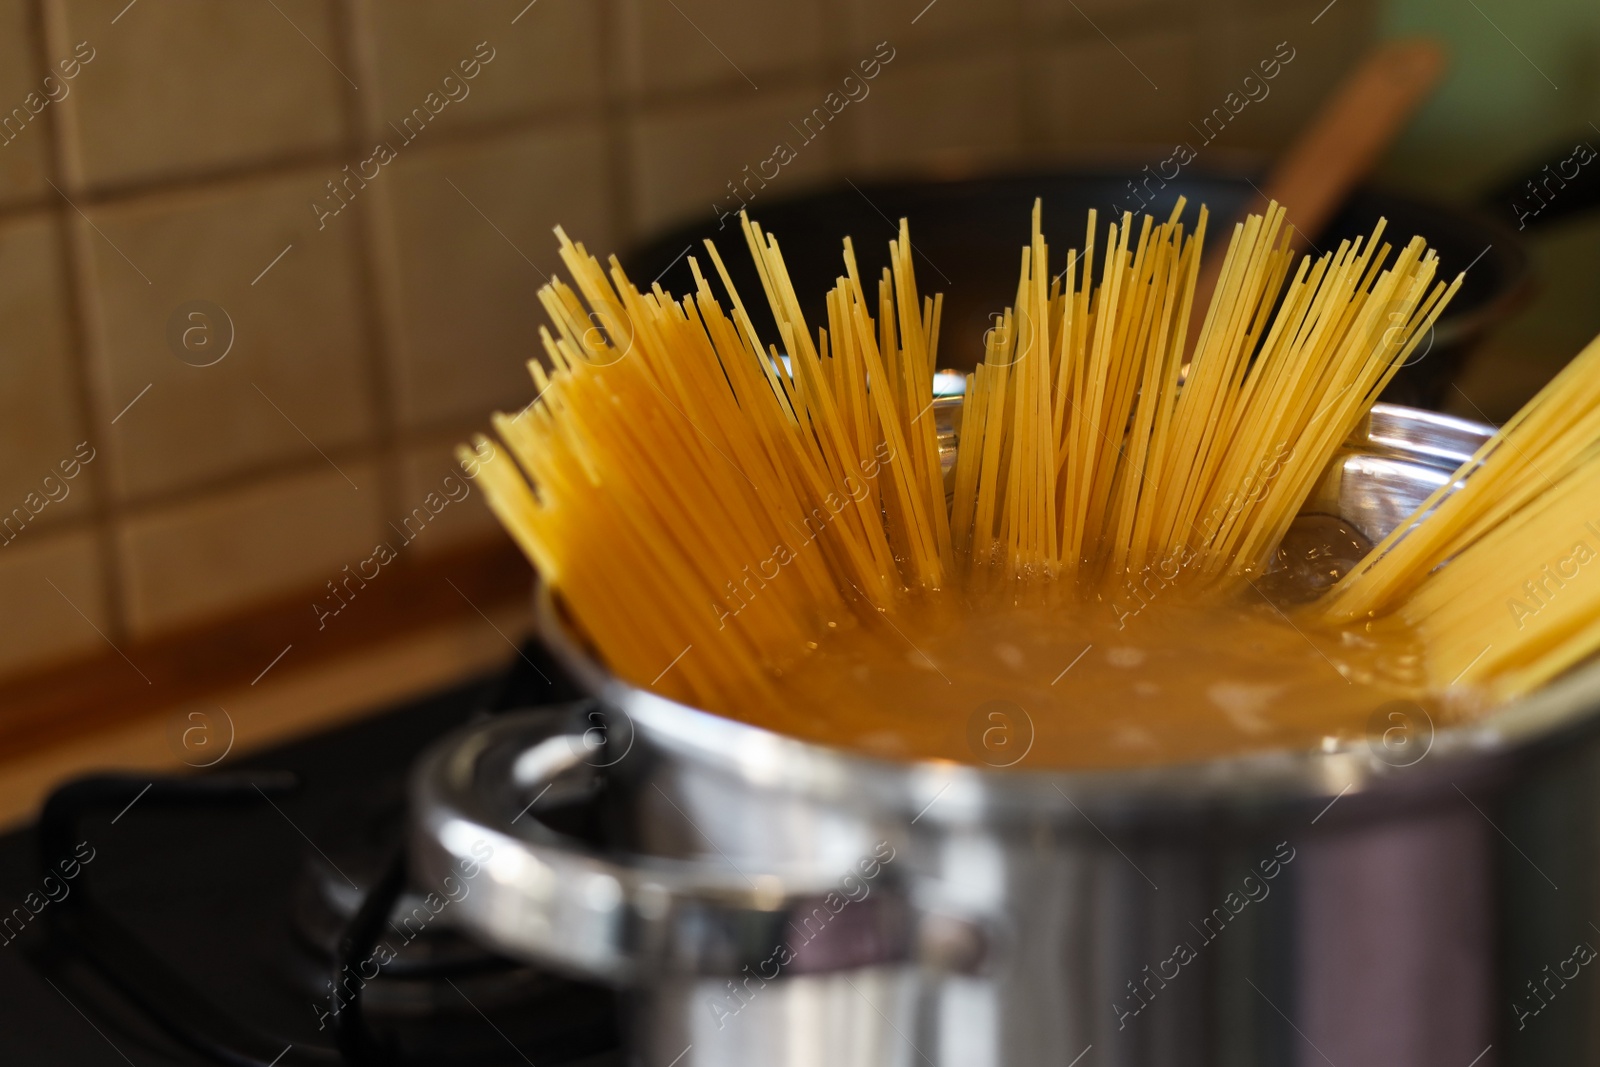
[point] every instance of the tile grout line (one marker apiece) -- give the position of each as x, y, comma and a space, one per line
300, 163
217, 486
376, 250
617, 114
296, 163
47, 23
438, 433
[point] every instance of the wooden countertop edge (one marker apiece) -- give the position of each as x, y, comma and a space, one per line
278, 669
300, 701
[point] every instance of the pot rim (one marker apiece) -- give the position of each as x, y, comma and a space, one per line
945, 791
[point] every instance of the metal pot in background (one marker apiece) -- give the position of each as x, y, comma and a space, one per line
968, 233
760, 899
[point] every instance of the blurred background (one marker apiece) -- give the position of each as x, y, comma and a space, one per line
264, 262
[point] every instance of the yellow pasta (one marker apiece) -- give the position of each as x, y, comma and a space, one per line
1497, 569
707, 500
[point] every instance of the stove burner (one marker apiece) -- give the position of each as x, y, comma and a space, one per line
424, 989
365, 970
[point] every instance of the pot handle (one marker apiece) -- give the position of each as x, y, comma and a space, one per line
521, 887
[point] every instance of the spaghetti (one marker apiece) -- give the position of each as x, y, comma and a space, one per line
1496, 569
690, 486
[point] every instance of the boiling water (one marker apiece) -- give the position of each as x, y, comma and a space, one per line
1153, 674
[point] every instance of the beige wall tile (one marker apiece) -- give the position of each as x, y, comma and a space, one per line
1323, 54
440, 507
949, 109
1083, 16
473, 230
186, 563
40, 419
738, 43
685, 158
549, 57
298, 336
41, 624
25, 105
1139, 91
191, 85
911, 23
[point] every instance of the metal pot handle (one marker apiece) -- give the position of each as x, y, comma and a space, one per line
520, 886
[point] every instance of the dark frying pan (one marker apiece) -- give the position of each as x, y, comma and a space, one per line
968, 234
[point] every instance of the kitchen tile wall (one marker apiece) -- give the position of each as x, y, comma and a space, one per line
251, 333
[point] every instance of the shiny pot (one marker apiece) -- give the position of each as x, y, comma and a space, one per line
1403, 900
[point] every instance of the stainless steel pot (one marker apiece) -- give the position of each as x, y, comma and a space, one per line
763, 900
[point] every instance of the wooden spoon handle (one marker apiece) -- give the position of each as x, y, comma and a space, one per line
1352, 130
1335, 152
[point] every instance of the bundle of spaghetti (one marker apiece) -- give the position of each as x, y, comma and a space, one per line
1492, 569
1521, 604
1004, 506
688, 490
1541, 444
1158, 468
707, 504
1343, 329
853, 423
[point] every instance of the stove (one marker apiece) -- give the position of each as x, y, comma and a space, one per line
257, 914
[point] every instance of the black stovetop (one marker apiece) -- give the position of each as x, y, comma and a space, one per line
216, 912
